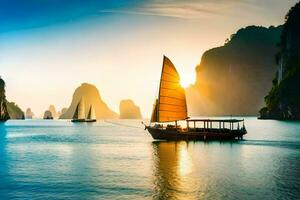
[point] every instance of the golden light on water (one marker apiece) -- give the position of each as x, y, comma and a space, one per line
184, 160
173, 170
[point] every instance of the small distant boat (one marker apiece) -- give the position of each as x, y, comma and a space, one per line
170, 106
91, 115
79, 114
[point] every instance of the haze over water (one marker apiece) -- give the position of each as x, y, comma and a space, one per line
119, 160
48, 48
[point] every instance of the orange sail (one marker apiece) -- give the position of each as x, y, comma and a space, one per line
171, 103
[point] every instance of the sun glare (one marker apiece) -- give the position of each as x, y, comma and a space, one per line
187, 79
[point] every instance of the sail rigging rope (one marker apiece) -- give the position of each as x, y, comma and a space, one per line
121, 124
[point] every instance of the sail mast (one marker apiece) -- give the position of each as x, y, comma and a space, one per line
161, 75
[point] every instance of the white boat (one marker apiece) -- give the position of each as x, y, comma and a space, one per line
91, 115
79, 114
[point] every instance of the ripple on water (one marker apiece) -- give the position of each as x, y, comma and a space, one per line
117, 160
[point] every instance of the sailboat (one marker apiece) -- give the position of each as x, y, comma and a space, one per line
91, 115
171, 107
79, 114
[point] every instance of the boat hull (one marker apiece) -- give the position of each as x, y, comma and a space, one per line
90, 120
200, 135
78, 120
83, 120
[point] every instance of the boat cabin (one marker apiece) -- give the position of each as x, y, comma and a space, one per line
206, 124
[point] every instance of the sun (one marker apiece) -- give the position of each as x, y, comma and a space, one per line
187, 79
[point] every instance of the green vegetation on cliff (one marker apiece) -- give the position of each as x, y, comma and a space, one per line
233, 79
3, 107
14, 111
283, 101
8, 110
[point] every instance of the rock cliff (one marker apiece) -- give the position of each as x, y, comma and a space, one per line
90, 94
283, 101
48, 115
128, 110
233, 79
29, 114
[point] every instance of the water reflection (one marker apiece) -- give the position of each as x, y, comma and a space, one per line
172, 171
62, 161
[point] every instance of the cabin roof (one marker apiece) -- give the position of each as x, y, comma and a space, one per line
215, 120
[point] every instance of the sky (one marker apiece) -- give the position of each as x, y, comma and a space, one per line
49, 47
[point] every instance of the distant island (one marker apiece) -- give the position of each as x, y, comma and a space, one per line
3, 102
8, 110
15, 112
48, 115
29, 114
61, 112
128, 110
52, 109
91, 97
283, 101
233, 79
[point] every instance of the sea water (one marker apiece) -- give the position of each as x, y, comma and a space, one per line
117, 159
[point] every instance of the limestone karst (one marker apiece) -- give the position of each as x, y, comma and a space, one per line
283, 100
48, 115
62, 111
53, 111
29, 114
3, 102
15, 112
233, 79
89, 94
128, 110
8, 110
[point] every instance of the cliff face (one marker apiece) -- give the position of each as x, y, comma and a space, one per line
29, 113
90, 94
47, 115
3, 102
14, 111
234, 78
128, 110
283, 101
8, 110
63, 111
53, 111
